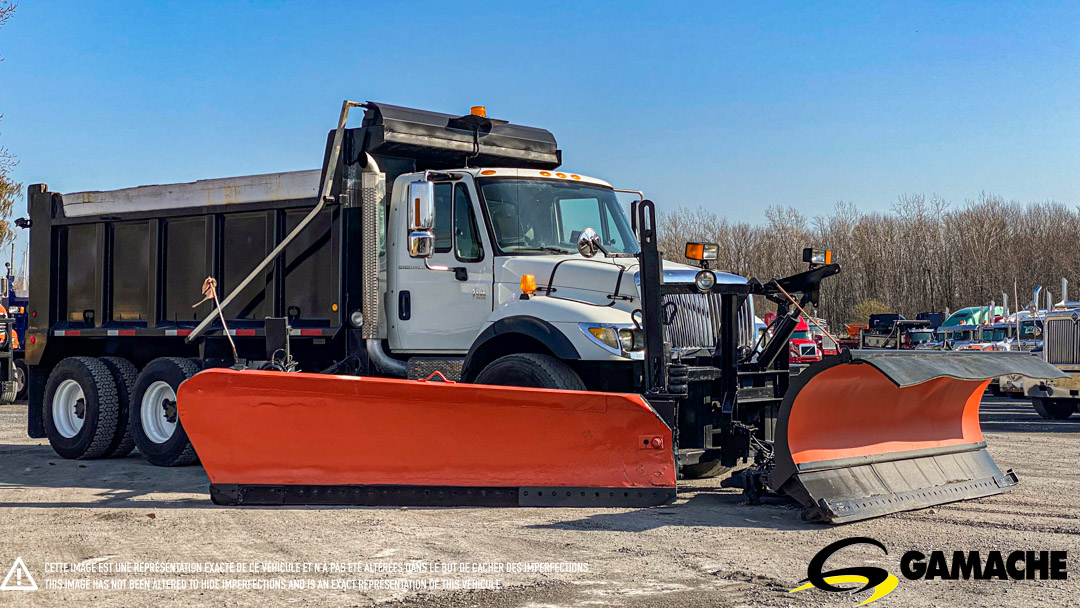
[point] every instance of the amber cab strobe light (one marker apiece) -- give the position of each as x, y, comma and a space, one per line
528, 284
478, 111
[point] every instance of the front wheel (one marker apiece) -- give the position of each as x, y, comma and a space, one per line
155, 423
531, 370
1054, 409
702, 470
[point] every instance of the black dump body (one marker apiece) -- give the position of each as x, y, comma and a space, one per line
118, 276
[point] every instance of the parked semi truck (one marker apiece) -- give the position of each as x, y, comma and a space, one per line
1057, 399
325, 302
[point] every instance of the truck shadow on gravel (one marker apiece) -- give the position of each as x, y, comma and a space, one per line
34, 476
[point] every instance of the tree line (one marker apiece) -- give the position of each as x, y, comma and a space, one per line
922, 255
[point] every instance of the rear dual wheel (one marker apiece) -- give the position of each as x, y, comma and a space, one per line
155, 422
81, 408
1054, 409
86, 407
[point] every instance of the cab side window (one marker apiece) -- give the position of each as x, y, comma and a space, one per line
444, 236
466, 238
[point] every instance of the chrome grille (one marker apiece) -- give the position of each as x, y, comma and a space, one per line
1061, 343
695, 320
807, 350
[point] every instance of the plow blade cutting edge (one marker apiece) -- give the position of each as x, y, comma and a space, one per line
276, 438
878, 432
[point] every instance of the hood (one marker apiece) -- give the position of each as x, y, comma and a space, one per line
600, 275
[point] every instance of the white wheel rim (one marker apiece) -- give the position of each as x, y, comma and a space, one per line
157, 412
69, 408
20, 379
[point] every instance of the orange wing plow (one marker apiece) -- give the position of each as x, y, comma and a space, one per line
880, 432
275, 438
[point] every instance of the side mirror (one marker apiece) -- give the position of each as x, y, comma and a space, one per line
421, 206
421, 219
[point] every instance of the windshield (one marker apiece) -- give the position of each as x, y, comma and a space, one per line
962, 336
800, 335
997, 335
918, 337
547, 216
1027, 329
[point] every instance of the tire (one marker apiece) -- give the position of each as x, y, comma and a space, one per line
1053, 409
124, 374
81, 408
161, 442
20, 378
701, 470
530, 370
995, 390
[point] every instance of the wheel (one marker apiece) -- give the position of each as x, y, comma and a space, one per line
124, 375
20, 378
81, 408
155, 424
995, 390
1054, 409
531, 370
701, 470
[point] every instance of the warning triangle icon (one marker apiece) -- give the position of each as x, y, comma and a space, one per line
18, 578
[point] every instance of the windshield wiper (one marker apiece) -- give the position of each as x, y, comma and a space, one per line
543, 248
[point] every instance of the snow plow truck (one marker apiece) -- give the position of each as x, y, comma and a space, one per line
442, 315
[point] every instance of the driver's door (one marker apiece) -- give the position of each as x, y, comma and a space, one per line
441, 312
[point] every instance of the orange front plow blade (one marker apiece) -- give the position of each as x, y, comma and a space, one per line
291, 438
872, 433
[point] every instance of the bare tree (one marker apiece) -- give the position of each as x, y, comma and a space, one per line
922, 255
9, 189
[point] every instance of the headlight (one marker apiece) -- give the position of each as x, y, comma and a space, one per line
632, 339
704, 280
605, 335
622, 341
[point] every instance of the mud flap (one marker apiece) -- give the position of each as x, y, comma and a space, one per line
868, 433
291, 438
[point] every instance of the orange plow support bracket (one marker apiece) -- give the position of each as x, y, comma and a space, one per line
877, 433
276, 438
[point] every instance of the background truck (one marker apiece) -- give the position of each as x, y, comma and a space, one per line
14, 304
1057, 399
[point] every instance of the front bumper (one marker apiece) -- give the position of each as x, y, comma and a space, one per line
1058, 388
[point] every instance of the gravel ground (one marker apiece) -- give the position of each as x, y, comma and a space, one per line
708, 549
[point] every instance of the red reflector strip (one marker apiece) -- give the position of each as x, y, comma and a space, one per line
120, 332
310, 332
70, 333
243, 332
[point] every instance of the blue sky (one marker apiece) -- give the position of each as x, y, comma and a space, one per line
731, 106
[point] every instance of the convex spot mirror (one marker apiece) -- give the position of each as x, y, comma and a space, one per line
588, 243
421, 203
